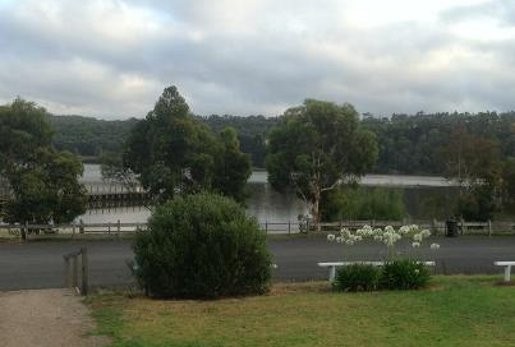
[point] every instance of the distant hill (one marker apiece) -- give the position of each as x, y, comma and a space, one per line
252, 132
88, 136
408, 144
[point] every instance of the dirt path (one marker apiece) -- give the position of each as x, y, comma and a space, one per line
49, 317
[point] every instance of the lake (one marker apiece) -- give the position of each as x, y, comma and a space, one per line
267, 205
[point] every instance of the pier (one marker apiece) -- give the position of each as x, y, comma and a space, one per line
100, 195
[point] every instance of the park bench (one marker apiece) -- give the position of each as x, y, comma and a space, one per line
332, 265
507, 268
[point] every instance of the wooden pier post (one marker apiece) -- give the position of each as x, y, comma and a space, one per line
84, 252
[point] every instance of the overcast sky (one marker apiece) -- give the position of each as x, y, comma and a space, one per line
112, 58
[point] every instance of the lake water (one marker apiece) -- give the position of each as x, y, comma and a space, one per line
267, 205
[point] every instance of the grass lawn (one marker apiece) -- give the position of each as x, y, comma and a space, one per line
454, 311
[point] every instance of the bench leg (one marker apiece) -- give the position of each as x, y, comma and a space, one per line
507, 273
332, 273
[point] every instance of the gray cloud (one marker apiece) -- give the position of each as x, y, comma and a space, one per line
112, 58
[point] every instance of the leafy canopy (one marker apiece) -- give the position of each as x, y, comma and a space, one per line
316, 147
172, 152
44, 182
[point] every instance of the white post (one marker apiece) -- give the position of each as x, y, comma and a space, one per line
332, 273
507, 273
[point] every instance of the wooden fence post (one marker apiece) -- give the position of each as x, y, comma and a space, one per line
75, 273
25, 231
266, 227
118, 228
289, 227
489, 228
84, 252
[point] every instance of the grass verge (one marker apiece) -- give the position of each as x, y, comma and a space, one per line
454, 311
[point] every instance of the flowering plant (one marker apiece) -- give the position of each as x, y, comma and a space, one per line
389, 236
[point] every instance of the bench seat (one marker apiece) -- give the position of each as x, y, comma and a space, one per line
507, 268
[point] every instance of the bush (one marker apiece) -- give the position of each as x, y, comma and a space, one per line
356, 278
404, 274
363, 203
202, 246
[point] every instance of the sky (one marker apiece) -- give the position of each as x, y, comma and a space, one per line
112, 58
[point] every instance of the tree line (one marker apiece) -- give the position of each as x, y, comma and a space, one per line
408, 144
312, 149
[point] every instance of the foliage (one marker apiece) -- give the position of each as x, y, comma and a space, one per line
412, 144
23, 129
363, 203
404, 274
47, 190
475, 162
252, 133
356, 278
88, 136
172, 152
508, 185
316, 147
232, 168
43, 181
202, 246
395, 273
408, 144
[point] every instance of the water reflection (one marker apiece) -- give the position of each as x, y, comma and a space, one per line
424, 197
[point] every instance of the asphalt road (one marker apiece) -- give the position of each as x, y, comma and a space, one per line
40, 264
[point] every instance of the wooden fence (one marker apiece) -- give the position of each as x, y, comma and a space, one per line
269, 227
72, 270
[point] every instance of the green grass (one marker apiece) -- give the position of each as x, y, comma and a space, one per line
454, 311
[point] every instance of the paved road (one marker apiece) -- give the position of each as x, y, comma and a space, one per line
40, 264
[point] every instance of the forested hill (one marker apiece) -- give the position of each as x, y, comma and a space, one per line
418, 144
88, 136
409, 144
252, 132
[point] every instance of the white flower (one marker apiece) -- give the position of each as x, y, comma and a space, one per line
415, 244
417, 271
331, 237
418, 237
404, 229
425, 233
339, 239
435, 246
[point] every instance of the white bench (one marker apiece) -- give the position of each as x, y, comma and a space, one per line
507, 268
332, 265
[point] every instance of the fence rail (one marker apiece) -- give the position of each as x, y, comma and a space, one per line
269, 227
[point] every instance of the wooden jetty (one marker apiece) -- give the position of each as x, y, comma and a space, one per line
100, 195
115, 195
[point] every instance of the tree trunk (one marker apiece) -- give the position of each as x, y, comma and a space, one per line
315, 210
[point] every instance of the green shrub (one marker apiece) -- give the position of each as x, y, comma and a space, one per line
404, 274
202, 246
357, 277
363, 203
